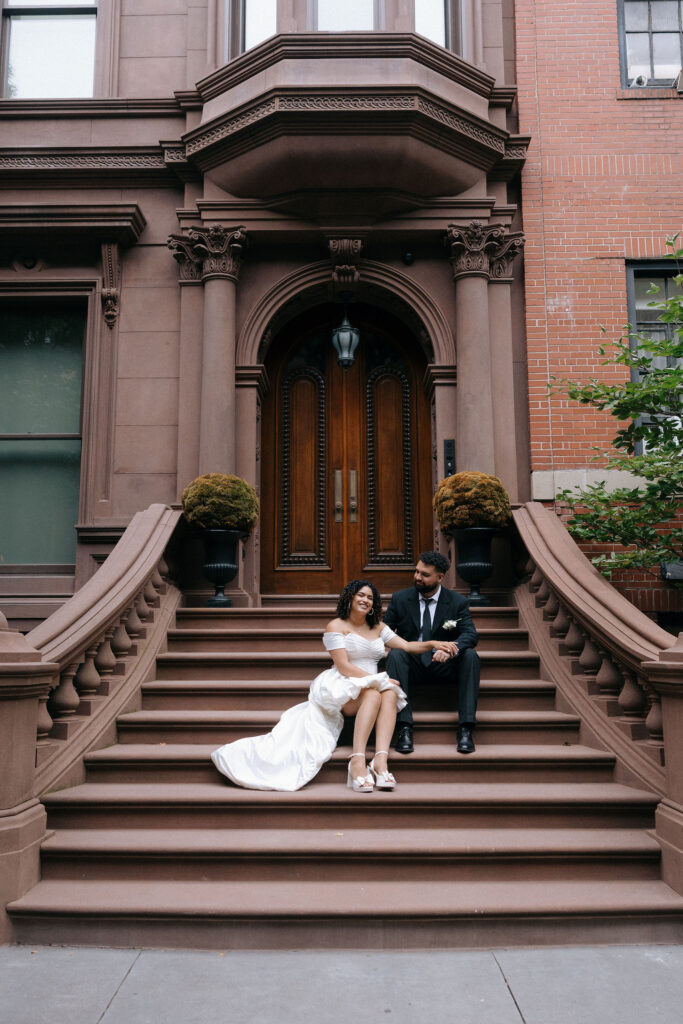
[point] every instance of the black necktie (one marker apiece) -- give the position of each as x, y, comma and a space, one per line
427, 631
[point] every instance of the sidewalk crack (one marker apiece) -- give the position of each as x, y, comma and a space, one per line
119, 987
507, 985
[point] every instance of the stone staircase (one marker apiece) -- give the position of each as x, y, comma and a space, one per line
528, 840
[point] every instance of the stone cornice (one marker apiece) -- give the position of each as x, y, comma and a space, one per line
108, 222
473, 138
91, 108
38, 165
385, 46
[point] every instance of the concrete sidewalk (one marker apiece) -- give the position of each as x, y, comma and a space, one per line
602, 985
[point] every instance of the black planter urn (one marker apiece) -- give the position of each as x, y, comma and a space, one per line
220, 562
473, 563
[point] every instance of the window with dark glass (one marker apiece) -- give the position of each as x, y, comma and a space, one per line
643, 316
41, 373
48, 48
651, 41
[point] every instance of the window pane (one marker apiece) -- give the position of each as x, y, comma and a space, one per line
665, 14
642, 286
430, 20
667, 54
39, 501
41, 360
638, 54
346, 16
635, 16
38, 68
51, 3
260, 21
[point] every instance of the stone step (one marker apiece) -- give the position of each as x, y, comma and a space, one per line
307, 665
430, 726
221, 805
298, 638
349, 914
310, 617
132, 762
268, 694
415, 855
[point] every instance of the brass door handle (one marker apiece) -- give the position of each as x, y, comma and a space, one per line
338, 496
353, 495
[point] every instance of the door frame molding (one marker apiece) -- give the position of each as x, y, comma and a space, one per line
296, 291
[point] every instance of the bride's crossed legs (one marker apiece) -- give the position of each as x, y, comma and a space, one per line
376, 708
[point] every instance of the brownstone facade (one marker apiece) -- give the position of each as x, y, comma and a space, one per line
213, 197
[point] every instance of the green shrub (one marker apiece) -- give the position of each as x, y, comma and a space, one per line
220, 501
471, 499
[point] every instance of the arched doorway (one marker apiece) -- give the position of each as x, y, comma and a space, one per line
346, 467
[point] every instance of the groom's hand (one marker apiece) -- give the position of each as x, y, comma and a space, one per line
444, 655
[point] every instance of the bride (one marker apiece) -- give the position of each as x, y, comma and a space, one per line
305, 737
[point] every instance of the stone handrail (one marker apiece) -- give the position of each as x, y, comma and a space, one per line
596, 644
63, 685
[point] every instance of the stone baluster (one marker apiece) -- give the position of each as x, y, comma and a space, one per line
609, 679
573, 641
589, 659
142, 608
551, 607
654, 722
632, 699
105, 659
121, 643
87, 677
150, 594
157, 578
561, 623
542, 594
134, 626
536, 580
64, 700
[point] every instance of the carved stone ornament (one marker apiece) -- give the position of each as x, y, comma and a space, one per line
110, 283
345, 255
204, 253
482, 250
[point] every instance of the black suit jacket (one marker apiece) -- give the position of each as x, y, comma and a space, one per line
403, 616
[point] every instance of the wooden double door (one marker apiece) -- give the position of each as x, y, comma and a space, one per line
346, 457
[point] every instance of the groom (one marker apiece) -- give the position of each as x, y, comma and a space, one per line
428, 611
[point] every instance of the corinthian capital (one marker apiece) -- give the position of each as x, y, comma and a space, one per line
472, 247
204, 253
510, 245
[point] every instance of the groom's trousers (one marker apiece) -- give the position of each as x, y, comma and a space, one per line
461, 673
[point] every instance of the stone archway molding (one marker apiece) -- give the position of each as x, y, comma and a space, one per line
315, 277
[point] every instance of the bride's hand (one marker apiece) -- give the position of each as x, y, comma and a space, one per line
446, 647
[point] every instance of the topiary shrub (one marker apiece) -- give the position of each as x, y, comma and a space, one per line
471, 499
221, 502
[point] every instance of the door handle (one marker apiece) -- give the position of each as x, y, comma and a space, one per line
353, 495
338, 496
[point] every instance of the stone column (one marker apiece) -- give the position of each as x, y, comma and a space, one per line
469, 254
190, 359
506, 427
252, 384
218, 251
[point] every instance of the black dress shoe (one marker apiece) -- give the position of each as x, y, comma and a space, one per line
465, 741
404, 740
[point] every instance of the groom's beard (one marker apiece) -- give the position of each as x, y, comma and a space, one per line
424, 590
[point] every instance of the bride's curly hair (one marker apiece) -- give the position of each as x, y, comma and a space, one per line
349, 592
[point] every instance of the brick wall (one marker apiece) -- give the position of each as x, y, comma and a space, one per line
603, 183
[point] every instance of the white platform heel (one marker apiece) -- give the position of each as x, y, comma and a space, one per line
361, 783
383, 780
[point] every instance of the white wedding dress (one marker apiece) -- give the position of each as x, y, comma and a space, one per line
306, 735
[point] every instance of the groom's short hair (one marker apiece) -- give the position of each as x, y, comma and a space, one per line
435, 558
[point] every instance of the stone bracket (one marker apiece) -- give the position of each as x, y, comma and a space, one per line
111, 265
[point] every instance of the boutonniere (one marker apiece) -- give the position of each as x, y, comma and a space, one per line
450, 624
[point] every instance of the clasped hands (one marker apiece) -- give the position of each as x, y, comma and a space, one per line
444, 649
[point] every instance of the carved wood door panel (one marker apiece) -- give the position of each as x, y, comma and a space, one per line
346, 473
